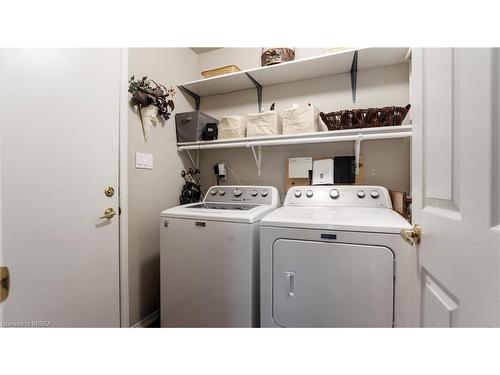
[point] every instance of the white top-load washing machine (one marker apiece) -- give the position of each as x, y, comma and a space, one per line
210, 258
332, 256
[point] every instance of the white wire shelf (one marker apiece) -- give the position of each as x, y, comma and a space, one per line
386, 132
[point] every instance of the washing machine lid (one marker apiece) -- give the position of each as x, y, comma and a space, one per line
230, 212
359, 219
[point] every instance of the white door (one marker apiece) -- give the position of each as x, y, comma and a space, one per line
59, 152
319, 284
456, 184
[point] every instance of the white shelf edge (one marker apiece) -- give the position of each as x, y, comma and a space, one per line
206, 81
270, 67
387, 132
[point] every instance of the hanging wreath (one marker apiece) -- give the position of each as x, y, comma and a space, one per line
151, 100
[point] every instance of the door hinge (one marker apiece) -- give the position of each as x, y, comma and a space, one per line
119, 211
393, 324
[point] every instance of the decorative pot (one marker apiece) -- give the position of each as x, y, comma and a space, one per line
149, 118
271, 56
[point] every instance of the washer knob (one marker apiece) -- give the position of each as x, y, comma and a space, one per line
298, 193
334, 194
361, 194
264, 193
237, 192
254, 193
222, 192
309, 193
213, 192
375, 194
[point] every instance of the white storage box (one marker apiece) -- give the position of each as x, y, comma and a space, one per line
301, 120
232, 127
265, 123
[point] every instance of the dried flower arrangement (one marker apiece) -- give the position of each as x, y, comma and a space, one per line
146, 93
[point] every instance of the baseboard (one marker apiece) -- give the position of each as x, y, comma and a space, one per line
148, 320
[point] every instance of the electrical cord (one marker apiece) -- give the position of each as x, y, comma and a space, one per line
233, 172
235, 175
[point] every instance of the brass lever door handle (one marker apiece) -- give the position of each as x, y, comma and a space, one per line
413, 235
108, 213
4, 283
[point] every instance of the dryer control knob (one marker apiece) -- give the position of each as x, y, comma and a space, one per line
309, 193
213, 192
298, 193
375, 194
254, 193
237, 192
361, 194
222, 192
264, 193
334, 194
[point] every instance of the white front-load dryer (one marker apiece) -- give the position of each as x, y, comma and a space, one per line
209, 258
333, 257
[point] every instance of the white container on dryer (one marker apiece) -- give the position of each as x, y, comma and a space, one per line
332, 256
209, 258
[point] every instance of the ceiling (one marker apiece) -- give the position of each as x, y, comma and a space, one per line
199, 50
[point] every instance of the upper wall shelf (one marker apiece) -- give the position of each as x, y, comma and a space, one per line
313, 67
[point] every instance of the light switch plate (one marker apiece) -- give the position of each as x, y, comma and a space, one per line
143, 161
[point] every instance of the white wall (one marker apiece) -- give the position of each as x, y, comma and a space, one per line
151, 191
387, 161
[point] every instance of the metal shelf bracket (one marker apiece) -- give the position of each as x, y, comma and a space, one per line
258, 86
196, 164
357, 150
196, 97
354, 75
258, 158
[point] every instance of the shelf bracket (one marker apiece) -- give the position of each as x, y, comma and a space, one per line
354, 75
357, 150
196, 164
258, 86
258, 158
197, 98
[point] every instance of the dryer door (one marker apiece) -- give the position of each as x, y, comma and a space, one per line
321, 284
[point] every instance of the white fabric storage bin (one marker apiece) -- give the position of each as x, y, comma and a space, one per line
264, 123
232, 127
301, 120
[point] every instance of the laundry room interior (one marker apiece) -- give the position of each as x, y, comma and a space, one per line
383, 80
247, 187
226, 187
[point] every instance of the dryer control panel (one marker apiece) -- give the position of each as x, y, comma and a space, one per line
339, 196
244, 194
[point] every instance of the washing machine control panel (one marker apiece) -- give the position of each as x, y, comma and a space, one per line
339, 196
243, 194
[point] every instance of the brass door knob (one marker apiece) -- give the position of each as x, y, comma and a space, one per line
413, 235
4, 283
109, 191
108, 213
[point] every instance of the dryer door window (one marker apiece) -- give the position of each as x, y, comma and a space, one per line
321, 284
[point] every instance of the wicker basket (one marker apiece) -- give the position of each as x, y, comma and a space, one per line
365, 118
220, 71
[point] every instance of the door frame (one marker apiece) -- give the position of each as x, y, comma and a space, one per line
122, 189
123, 193
1, 118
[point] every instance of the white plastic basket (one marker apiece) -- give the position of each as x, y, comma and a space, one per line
264, 123
301, 120
232, 127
